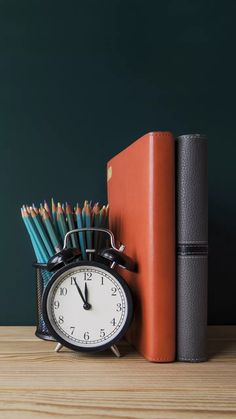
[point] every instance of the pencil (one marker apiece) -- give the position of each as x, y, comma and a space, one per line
71, 224
87, 211
35, 209
83, 214
46, 207
106, 223
38, 255
50, 229
107, 216
43, 233
61, 222
54, 218
54, 212
36, 236
102, 224
96, 223
81, 234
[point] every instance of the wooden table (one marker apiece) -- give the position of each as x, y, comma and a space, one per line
36, 382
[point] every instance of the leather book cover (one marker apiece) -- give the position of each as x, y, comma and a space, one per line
141, 196
192, 247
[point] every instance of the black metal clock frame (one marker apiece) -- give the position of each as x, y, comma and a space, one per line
122, 283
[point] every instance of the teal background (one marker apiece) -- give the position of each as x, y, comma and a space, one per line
79, 81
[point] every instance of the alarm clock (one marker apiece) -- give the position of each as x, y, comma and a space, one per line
87, 306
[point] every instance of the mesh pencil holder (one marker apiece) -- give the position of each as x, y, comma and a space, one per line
42, 278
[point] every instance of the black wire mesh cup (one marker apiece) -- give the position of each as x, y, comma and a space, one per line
42, 279
43, 276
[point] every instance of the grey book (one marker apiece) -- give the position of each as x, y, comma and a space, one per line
192, 247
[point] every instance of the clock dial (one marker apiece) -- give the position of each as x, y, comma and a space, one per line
87, 306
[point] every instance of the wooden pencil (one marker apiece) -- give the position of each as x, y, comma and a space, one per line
54, 212
36, 236
38, 255
51, 231
54, 219
107, 216
46, 207
87, 211
71, 225
84, 214
102, 224
96, 224
82, 242
61, 222
35, 209
43, 233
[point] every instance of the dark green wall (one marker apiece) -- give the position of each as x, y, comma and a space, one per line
79, 81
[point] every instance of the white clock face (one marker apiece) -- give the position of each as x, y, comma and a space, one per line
87, 306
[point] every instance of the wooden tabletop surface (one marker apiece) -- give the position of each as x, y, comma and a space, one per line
36, 382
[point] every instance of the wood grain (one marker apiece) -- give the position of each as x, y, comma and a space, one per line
36, 382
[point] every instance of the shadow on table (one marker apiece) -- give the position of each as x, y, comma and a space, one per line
221, 344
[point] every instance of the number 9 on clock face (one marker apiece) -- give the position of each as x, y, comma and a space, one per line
87, 306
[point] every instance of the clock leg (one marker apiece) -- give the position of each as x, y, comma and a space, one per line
115, 351
58, 347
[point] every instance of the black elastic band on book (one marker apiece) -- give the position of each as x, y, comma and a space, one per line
192, 249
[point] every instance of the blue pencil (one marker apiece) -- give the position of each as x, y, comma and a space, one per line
41, 256
87, 211
37, 237
96, 224
43, 234
81, 234
71, 224
61, 222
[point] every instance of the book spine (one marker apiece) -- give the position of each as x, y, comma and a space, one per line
162, 251
192, 247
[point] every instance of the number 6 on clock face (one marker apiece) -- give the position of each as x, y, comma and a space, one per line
87, 306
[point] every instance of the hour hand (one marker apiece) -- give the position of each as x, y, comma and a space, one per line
79, 291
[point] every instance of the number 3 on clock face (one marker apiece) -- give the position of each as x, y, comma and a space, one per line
87, 306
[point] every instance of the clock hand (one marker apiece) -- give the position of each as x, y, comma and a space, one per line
86, 305
79, 291
86, 292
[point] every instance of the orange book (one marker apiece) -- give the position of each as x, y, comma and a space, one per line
141, 196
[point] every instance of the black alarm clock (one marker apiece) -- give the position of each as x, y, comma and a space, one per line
87, 306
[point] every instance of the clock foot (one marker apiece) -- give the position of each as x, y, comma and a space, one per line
58, 347
115, 351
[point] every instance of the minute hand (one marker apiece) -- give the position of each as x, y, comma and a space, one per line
86, 305
86, 292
